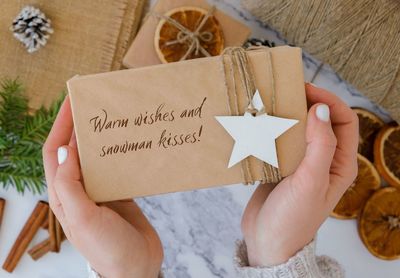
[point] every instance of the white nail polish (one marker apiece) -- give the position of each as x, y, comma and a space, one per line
62, 154
322, 112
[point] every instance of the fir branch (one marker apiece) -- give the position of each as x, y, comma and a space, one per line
21, 181
21, 138
38, 127
14, 106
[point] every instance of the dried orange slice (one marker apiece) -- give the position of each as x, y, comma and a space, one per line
387, 154
369, 125
379, 224
172, 44
366, 183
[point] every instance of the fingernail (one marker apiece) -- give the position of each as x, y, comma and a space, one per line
62, 154
312, 84
322, 112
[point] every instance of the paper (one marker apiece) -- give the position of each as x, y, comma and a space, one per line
153, 130
142, 51
255, 135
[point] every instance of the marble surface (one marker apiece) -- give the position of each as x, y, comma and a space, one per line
199, 228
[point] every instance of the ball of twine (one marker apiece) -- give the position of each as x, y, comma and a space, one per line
359, 39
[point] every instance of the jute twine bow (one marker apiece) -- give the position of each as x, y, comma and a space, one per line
240, 62
191, 38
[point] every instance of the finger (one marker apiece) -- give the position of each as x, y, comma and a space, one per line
50, 160
75, 203
72, 141
73, 144
55, 204
59, 135
345, 127
340, 111
321, 145
344, 120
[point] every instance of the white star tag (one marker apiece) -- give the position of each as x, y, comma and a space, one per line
255, 135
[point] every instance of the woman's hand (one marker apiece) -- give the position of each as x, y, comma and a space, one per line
116, 238
281, 220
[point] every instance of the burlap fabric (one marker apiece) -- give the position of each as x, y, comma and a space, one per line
89, 37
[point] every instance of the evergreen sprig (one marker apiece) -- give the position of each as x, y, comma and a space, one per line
21, 139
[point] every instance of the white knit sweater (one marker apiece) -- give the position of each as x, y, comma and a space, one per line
305, 264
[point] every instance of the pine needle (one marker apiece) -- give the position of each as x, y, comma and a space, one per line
21, 139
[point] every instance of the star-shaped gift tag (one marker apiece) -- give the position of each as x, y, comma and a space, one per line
255, 135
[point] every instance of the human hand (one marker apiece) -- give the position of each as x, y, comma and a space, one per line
279, 221
115, 238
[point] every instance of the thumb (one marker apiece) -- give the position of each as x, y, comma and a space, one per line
321, 146
68, 186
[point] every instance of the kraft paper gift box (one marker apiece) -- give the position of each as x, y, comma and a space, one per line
153, 130
142, 51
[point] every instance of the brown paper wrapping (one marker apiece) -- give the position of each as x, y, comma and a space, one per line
142, 52
124, 94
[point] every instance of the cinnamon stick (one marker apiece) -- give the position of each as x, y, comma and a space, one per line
29, 230
45, 224
2, 205
59, 235
52, 230
40, 249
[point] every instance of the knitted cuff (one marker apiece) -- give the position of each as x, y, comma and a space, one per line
302, 265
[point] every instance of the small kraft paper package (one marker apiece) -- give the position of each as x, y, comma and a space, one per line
168, 128
176, 30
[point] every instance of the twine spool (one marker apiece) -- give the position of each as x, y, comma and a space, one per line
359, 39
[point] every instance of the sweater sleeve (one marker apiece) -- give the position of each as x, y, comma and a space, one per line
305, 264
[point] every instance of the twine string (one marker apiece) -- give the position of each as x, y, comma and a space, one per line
246, 74
356, 38
192, 38
241, 62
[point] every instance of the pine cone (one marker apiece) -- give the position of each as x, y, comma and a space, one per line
258, 42
32, 28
